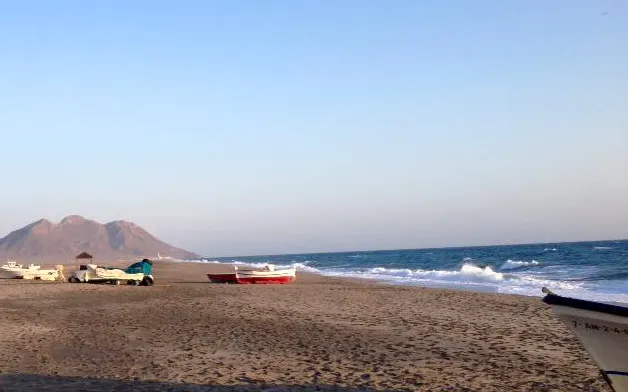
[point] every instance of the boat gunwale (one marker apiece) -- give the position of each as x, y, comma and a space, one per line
600, 307
265, 274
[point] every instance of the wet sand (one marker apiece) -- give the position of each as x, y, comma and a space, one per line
315, 334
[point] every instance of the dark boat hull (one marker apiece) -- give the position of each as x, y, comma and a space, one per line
222, 278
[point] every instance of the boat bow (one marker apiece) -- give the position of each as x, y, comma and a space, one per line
603, 331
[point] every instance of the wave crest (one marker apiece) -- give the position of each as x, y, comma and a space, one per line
298, 265
468, 272
513, 264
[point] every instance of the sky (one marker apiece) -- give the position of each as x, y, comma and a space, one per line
263, 127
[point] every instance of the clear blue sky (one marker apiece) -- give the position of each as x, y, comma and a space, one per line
253, 127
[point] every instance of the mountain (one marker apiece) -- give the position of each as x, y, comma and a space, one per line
46, 241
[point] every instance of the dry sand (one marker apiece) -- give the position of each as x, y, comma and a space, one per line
315, 334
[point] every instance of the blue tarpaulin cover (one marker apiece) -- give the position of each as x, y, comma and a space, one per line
145, 266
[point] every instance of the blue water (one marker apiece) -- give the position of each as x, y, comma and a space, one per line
588, 270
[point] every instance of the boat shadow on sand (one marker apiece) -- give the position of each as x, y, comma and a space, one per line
17, 382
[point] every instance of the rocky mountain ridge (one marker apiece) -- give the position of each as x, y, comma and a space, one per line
46, 241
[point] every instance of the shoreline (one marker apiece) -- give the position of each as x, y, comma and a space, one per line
220, 266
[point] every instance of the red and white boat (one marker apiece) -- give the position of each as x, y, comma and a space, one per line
265, 275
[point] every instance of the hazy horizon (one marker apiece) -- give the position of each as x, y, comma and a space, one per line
422, 248
355, 250
271, 128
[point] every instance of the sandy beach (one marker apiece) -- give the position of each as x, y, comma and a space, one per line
315, 334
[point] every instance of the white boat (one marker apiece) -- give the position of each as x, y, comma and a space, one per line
10, 264
603, 330
6, 271
136, 274
12, 270
265, 276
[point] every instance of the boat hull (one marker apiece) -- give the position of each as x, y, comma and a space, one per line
223, 278
265, 277
602, 330
10, 274
255, 276
265, 280
50, 275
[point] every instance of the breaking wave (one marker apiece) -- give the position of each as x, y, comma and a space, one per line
300, 266
468, 272
514, 264
469, 275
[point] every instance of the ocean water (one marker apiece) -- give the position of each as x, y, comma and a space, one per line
588, 270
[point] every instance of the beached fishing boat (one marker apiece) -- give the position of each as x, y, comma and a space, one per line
248, 275
230, 277
603, 330
12, 270
265, 276
227, 277
6, 269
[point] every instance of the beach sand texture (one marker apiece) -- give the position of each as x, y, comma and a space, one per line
315, 334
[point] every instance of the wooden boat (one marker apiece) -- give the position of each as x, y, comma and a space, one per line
603, 330
265, 276
228, 277
248, 275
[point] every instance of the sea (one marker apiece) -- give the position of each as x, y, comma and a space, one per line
589, 270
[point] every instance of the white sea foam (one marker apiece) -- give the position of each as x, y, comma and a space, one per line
513, 264
473, 277
550, 250
468, 274
305, 268
299, 266
602, 247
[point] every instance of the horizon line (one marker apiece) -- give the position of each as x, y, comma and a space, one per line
426, 248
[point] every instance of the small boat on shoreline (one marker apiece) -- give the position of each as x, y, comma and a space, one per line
265, 275
9, 266
230, 277
280, 276
603, 330
227, 277
12, 270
